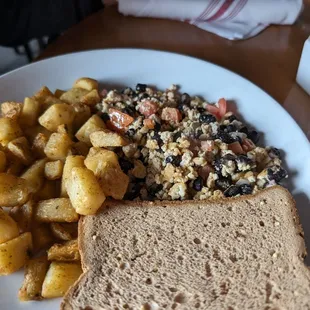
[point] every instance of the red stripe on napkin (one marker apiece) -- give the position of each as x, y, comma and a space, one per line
240, 5
221, 10
206, 11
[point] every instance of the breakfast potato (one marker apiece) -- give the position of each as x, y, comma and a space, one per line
35, 272
71, 162
53, 169
55, 115
20, 148
107, 138
42, 93
34, 175
66, 252
49, 190
84, 191
8, 227
80, 148
11, 109
104, 164
10, 130
23, 215
55, 210
14, 191
59, 92
39, 144
95, 123
92, 98
60, 276
41, 236
31, 132
82, 114
3, 161
30, 112
86, 83
58, 146
73, 95
64, 231
15, 253
14, 166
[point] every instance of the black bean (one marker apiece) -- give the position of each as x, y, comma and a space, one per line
180, 107
231, 128
232, 118
185, 99
254, 136
131, 132
243, 159
125, 164
105, 117
156, 137
143, 96
134, 191
201, 110
245, 189
276, 173
244, 129
225, 137
174, 160
154, 189
141, 87
176, 136
222, 183
198, 184
232, 191
129, 110
198, 133
229, 157
218, 165
157, 126
274, 152
207, 118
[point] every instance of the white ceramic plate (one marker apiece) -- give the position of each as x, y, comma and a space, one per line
126, 67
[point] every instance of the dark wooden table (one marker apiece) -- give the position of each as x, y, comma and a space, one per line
270, 60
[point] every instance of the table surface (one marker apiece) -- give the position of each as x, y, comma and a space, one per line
270, 60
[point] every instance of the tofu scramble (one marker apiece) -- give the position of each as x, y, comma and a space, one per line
183, 147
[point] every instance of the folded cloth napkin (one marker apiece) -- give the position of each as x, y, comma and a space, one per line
231, 19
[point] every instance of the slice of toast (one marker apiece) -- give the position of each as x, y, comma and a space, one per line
240, 253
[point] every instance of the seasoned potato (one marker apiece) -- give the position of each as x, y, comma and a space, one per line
49, 190
14, 166
15, 253
10, 130
107, 138
56, 115
58, 146
14, 191
20, 148
32, 132
71, 162
86, 83
39, 144
82, 114
53, 169
66, 252
3, 161
23, 215
34, 175
84, 191
80, 148
30, 112
11, 109
35, 272
92, 98
139, 170
55, 210
42, 236
73, 95
42, 93
59, 92
64, 231
106, 168
59, 278
95, 123
8, 227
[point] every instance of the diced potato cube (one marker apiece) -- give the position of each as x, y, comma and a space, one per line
30, 112
74, 95
42, 236
59, 278
3, 161
14, 191
56, 115
86, 83
15, 253
23, 215
10, 130
71, 162
92, 98
107, 138
59, 92
84, 191
104, 164
11, 109
43, 92
82, 114
95, 123
35, 272
139, 170
66, 252
20, 148
49, 190
34, 175
80, 148
56, 210
53, 169
64, 231
14, 165
58, 146
8, 227
32, 132
39, 144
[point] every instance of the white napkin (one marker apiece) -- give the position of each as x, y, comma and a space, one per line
231, 19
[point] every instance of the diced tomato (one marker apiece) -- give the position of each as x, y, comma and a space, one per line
119, 119
207, 146
104, 93
149, 123
248, 145
171, 114
148, 108
236, 148
222, 107
213, 110
205, 171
